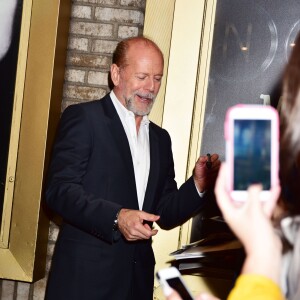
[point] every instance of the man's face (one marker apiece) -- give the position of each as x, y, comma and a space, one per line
139, 81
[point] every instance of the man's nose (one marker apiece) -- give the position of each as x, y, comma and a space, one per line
150, 85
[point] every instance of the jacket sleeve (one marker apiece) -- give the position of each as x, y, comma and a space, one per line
175, 206
65, 193
255, 287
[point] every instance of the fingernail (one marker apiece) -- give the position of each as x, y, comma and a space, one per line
167, 290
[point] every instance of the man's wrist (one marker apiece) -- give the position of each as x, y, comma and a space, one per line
116, 222
201, 194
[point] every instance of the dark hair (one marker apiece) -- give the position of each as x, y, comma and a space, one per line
290, 132
120, 53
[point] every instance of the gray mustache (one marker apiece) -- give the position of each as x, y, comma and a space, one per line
148, 96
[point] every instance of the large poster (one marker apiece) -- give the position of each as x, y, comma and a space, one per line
10, 23
252, 41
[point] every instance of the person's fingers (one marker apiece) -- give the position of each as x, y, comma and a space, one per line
147, 226
253, 204
205, 296
266, 207
270, 205
202, 159
254, 194
170, 293
228, 206
154, 231
214, 157
254, 190
132, 226
148, 217
140, 232
221, 180
222, 195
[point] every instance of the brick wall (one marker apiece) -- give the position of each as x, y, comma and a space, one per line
96, 27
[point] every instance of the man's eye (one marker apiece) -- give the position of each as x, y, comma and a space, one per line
141, 77
158, 79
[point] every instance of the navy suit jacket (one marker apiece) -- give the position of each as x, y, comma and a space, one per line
91, 177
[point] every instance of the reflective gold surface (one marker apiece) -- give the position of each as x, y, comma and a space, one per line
190, 30
39, 85
15, 126
160, 31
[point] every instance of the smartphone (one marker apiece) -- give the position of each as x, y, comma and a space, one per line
252, 149
171, 277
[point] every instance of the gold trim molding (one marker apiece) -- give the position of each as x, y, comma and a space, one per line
184, 32
37, 101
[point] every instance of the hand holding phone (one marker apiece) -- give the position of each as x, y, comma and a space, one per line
252, 143
171, 278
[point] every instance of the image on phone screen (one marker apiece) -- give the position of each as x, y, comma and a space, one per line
177, 285
252, 153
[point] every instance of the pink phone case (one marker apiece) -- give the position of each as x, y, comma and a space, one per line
251, 112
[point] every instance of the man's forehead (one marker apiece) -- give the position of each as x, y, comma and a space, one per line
142, 47
144, 55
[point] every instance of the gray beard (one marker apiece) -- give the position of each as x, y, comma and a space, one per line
141, 113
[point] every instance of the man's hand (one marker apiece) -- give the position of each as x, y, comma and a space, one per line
206, 171
132, 224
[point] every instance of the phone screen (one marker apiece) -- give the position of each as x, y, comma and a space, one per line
178, 285
252, 153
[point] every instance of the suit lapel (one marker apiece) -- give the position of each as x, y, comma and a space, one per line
115, 126
154, 170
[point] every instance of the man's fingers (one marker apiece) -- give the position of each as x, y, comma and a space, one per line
214, 157
204, 158
149, 217
132, 224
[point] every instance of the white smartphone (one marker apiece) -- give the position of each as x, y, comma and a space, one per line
252, 146
171, 278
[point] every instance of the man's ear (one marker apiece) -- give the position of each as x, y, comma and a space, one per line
115, 74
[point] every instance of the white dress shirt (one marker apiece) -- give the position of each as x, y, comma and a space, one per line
139, 146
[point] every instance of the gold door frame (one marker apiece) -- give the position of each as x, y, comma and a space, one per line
184, 32
15, 126
37, 100
185, 36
